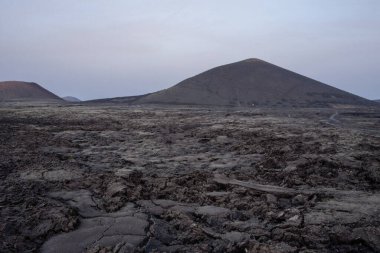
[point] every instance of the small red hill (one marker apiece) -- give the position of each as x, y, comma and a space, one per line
21, 91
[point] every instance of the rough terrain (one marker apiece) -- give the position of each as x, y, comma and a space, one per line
186, 179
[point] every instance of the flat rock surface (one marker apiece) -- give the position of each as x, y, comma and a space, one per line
212, 211
186, 179
125, 227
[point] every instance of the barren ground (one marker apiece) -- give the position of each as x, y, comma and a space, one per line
144, 179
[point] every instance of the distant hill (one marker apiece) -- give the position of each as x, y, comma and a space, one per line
377, 100
20, 91
252, 82
71, 99
117, 100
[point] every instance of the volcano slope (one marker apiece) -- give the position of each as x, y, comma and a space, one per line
252, 82
127, 179
21, 91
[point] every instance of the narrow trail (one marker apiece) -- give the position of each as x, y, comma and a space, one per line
332, 119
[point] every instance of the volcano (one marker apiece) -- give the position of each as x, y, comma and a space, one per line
249, 83
25, 91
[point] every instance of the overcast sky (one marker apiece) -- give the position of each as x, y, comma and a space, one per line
101, 48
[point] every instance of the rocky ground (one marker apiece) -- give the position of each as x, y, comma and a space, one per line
143, 179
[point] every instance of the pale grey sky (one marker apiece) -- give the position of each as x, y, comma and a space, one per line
101, 48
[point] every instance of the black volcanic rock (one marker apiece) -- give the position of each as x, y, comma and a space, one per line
20, 91
252, 82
